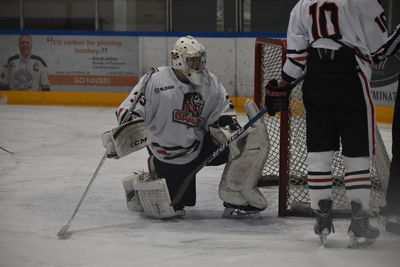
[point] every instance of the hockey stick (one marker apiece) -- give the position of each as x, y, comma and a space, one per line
182, 189
2, 148
65, 228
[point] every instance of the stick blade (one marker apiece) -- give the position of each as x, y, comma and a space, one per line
63, 231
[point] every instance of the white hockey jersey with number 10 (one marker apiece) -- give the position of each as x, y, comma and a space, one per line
178, 114
359, 24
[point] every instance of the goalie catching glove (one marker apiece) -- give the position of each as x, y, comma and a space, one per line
126, 138
276, 97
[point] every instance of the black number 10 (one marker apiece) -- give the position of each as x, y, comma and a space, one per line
320, 23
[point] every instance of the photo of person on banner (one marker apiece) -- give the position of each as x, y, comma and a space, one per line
25, 71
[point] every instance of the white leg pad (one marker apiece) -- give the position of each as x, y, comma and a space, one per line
240, 177
132, 200
155, 199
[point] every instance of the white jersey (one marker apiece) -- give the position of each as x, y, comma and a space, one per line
178, 114
359, 24
392, 45
26, 74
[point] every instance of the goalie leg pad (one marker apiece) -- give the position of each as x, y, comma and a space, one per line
155, 199
132, 199
240, 177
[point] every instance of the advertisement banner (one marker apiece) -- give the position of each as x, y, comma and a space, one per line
385, 81
74, 63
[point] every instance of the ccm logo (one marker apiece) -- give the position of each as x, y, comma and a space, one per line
138, 142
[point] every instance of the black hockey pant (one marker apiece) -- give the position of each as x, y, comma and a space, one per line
175, 174
336, 109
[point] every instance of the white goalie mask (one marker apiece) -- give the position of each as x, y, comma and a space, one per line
189, 56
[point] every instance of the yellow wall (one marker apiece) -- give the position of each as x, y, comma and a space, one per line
383, 114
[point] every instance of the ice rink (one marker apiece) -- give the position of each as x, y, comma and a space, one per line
55, 152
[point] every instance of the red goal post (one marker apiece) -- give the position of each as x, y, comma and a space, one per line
286, 163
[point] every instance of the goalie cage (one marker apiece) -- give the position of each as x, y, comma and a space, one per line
286, 162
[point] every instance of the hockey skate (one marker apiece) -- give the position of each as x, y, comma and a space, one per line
360, 231
393, 224
390, 221
241, 212
323, 225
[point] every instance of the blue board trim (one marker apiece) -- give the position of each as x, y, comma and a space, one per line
150, 34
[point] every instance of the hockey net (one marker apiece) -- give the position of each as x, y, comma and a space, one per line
287, 156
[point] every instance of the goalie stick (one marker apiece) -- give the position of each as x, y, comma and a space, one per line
65, 228
2, 148
182, 189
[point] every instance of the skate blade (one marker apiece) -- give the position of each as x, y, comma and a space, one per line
231, 214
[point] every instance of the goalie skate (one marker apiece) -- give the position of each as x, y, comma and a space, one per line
241, 212
323, 225
360, 231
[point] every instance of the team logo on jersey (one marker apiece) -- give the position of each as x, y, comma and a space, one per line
23, 80
36, 66
192, 108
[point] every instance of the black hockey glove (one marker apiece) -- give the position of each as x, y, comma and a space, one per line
231, 121
276, 98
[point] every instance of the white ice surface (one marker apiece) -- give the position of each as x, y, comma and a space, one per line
57, 149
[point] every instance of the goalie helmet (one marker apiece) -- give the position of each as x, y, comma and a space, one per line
189, 56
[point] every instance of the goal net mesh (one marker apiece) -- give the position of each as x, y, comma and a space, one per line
288, 153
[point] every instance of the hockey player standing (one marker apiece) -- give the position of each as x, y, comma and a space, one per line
392, 209
25, 72
180, 106
334, 41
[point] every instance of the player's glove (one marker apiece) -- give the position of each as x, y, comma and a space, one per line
379, 61
231, 121
223, 129
276, 98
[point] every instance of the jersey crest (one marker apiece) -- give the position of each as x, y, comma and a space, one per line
190, 114
23, 80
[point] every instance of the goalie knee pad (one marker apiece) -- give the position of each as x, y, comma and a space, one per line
155, 199
143, 193
241, 174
